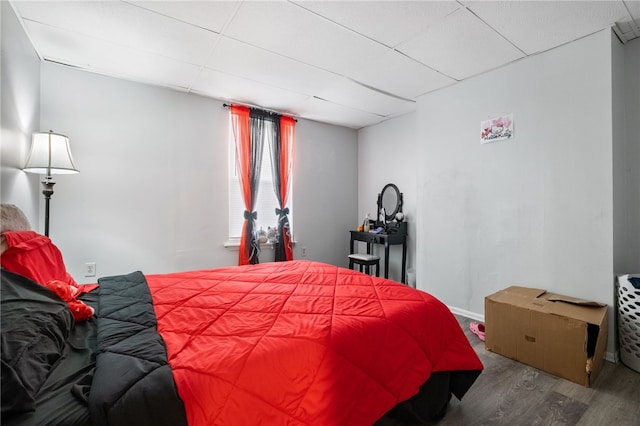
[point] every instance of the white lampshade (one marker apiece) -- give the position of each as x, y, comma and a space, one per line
50, 154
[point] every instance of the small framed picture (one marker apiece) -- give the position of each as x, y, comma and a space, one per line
496, 129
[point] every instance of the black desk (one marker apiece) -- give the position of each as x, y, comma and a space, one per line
388, 239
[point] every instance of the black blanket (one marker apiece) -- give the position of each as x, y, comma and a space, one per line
110, 370
47, 359
133, 383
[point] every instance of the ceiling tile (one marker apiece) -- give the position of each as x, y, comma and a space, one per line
109, 58
212, 15
126, 24
243, 60
461, 46
634, 8
327, 112
395, 73
235, 89
390, 22
351, 94
542, 25
292, 31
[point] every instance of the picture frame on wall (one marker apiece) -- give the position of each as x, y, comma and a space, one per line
496, 129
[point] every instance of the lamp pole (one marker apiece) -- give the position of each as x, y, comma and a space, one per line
47, 184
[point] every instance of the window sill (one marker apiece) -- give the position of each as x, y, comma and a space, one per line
234, 245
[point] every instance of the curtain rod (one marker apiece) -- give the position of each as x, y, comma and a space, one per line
225, 105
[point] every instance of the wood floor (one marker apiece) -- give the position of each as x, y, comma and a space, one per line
510, 393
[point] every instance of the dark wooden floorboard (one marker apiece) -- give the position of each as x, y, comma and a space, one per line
510, 393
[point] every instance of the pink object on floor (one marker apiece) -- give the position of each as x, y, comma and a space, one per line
477, 329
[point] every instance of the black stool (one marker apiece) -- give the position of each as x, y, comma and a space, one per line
365, 260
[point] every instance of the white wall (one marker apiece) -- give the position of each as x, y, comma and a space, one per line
152, 189
632, 126
535, 210
386, 154
626, 156
20, 114
326, 190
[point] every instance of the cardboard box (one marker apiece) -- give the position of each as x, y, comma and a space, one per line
561, 335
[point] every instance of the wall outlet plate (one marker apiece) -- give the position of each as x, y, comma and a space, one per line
90, 269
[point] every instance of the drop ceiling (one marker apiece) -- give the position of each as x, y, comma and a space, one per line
348, 63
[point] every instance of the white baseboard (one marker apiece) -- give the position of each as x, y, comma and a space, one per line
466, 314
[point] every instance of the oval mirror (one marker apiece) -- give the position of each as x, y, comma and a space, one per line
391, 200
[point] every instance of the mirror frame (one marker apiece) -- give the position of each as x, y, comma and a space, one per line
390, 187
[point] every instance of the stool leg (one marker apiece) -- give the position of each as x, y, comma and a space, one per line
350, 263
366, 268
377, 269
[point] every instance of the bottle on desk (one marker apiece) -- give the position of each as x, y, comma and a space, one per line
366, 225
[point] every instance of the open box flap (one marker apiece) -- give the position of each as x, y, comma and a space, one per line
579, 309
575, 301
519, 296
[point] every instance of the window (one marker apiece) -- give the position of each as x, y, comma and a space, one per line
266, 203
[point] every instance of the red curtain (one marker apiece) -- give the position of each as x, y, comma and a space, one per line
287, 133
242, 137
249, 133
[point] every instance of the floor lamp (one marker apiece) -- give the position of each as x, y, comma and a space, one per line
50, 154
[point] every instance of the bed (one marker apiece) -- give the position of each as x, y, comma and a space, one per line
296, 343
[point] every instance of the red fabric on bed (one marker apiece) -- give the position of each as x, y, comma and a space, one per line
301, 342
34, 256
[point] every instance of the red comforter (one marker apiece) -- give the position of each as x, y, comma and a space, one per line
301, 342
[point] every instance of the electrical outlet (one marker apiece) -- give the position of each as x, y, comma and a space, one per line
90, 269
304, 252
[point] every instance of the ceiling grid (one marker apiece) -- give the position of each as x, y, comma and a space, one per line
348, 63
